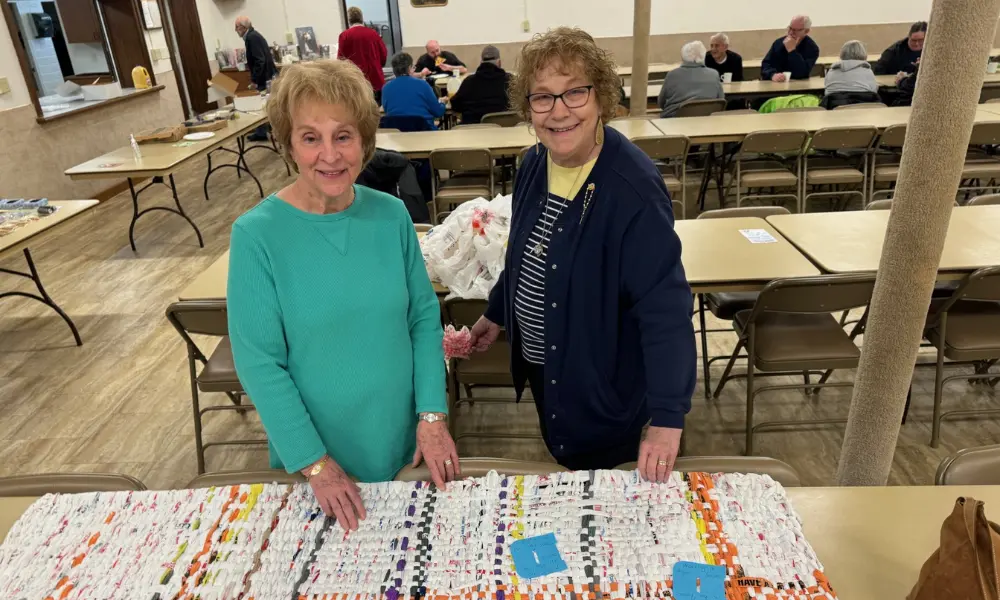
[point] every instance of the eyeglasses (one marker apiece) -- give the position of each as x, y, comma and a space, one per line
572, 98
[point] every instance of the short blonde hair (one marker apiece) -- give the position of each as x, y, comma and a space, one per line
338, 82
355, 16
572, 49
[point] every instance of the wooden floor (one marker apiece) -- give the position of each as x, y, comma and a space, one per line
121, 402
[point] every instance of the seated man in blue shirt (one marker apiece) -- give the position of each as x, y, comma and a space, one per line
409, 96
796, 53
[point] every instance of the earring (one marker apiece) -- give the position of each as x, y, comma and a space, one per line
599, 136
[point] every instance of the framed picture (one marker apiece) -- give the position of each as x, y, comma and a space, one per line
428, 3
308, 47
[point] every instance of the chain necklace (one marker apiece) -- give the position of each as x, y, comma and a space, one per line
547, 231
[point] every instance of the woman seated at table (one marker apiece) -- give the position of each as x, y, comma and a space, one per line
851, 79
409, 96
335, 328
593, 297
691, 81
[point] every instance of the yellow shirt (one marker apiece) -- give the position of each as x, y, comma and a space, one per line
566, 182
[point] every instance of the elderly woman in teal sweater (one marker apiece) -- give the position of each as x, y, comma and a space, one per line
335, 327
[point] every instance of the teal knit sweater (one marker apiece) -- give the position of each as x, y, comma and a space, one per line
336, 332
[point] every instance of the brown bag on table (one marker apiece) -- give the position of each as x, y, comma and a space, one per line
965, 566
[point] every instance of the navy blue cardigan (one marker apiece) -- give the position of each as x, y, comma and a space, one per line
799, 61
617, 303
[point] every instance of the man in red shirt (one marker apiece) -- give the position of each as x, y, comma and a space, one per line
365, 48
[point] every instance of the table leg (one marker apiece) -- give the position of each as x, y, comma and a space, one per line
239, 165
136, 213
706, 178
42, 296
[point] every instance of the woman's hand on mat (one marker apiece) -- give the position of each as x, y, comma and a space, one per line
657, 453
435, 446
338, 495
484, 333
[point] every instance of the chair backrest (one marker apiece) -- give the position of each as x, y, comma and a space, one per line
201, 317
477, 126
507, 118
779, 471
664, 146
67, 483
422, 227
479, 467
843, 138
880, 204
462, 159
387, 130
983, 284
985, 134
464, 311
774, 142
893, 137
521, 154
745, 211
814, 295
404, 123
700, 108
861, 105
799, 109
244, 477
971, 466
986, 200
992, 101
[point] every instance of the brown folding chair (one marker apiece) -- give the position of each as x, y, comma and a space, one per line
887, 153
422, 227
21, 486
861, 105
837, 157
987, 200
790, 331
770, 160
725, 305
982, 166
670, 154
224, 478
218, 374
965, 329
779, 471
470, 176
971, 466
480, 467
507, 118
482, 369
880, 205
700, 108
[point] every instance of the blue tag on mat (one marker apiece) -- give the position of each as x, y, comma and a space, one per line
695, 581
537, 556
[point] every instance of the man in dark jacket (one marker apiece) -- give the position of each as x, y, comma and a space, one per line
796, 53
260, 63
724, 60
483, 92
436, 61
902, 57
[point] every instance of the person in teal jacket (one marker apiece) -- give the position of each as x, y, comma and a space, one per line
335, 327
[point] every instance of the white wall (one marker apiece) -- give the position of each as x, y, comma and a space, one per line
87, 58
485, 21
272, 18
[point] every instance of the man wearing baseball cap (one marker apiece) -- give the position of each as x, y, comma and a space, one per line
483, 92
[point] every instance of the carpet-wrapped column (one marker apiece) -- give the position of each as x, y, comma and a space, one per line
958, 45
640, 58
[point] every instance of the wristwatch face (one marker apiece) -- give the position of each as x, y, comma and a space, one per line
431, 417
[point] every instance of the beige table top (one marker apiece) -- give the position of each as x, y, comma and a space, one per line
850, 242
419, 144
717, 256
733, 128
753, 86
873, 541
633, 128
160, 159
67, 210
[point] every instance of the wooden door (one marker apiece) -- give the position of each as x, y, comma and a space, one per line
128, 45
189, 44
80, 23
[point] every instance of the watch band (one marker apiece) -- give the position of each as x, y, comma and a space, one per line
318, 467
433, 417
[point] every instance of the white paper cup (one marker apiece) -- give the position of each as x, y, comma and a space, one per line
991, 67
788, 75
728, 77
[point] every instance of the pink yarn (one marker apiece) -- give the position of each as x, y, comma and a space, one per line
457, 343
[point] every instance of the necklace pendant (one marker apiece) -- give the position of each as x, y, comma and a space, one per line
537, 250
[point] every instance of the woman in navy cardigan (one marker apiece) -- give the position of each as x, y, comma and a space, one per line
593, 297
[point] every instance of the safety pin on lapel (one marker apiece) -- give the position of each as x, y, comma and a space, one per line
587, 197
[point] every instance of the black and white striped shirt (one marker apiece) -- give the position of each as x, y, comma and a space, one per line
529, 297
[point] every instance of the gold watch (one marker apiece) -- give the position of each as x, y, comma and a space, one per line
431, 417
316, 468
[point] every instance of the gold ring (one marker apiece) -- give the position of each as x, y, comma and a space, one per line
662, 463
448, 462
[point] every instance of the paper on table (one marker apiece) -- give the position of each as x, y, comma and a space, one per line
758, 236
695, 581
537, 556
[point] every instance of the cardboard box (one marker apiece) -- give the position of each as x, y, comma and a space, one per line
162, 135
220, 88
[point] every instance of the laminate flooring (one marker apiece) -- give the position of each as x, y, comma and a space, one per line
121, 402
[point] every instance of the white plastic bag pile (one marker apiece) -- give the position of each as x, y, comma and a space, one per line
466, 252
